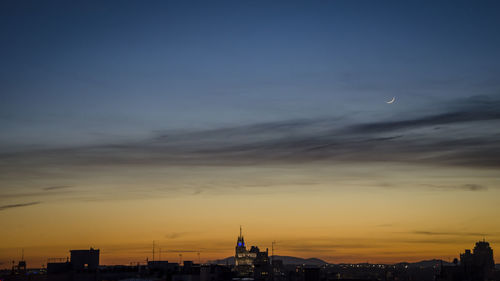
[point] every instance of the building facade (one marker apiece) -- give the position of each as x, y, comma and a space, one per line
243, 258
477, 265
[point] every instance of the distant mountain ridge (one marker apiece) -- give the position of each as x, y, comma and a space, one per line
319, 262
285, 259
425, 263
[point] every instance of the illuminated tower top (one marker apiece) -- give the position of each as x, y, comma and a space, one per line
241, 240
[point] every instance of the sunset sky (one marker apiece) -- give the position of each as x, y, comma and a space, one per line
124, 122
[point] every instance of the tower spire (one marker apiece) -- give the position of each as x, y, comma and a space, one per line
241, 240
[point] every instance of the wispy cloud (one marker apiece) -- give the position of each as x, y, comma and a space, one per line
180, 251
386, 225
467, 114
462, 133
56, 187
467, 187
464, 235
5, 207
437, 233
45, 192
299, 141
175, 235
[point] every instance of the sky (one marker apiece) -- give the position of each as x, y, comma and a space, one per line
124, 122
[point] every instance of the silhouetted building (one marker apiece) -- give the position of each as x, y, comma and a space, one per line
163, 269
477, 265
278, 269
214, 272
190, 268
262, 267
58, 267
480, 264
19, 268
311, 273
253, 262
243, 258
163, 266
189, 272
85, 259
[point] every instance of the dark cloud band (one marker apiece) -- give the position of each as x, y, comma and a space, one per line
5, 207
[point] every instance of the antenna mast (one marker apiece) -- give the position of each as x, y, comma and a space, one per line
272, 251
153, 250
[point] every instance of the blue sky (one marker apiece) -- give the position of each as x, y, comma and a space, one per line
92, 72
111, 111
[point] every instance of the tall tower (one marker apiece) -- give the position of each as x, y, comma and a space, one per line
479, 264
240, 244
243, 259
482, 261
241, 249
483, 255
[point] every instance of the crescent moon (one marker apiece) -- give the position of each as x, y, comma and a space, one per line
391, 101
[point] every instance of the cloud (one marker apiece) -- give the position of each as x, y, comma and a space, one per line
56, 187
467, 136
427, 121
450, 233
473, 187
5, 207
386, 225
442, 241
466, 187
182, 251
175, 235
47, 192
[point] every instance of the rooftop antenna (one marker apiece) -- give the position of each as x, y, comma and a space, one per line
272, 250
153, 250
180, 259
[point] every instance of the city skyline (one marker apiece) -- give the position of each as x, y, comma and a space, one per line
125, 123
159, 254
